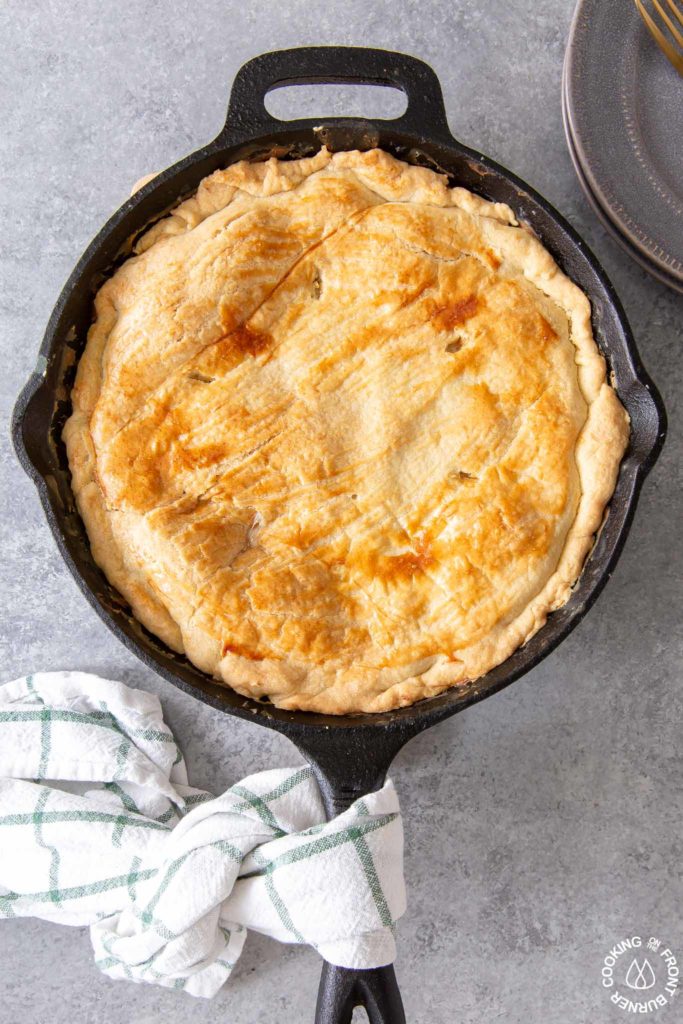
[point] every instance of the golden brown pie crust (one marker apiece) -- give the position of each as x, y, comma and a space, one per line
341, 433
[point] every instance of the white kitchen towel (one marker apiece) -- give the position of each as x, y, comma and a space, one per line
99, 827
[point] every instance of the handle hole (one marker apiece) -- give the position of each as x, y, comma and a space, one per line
290, 102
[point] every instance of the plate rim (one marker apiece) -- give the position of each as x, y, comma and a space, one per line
596, 194
603, 214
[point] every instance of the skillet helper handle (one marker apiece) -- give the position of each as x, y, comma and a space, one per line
336, 65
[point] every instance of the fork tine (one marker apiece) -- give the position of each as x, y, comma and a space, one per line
659, 37
678, 36
674, 8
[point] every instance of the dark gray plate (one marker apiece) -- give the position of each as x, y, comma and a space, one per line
624, 113
603, 216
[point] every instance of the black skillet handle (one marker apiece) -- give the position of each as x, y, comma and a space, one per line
247, 113
349, 763
341, 989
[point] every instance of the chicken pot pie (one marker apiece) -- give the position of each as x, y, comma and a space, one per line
341, 433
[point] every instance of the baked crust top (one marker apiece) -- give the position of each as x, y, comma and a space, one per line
341, 433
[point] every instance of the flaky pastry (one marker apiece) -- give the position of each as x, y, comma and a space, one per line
341, 433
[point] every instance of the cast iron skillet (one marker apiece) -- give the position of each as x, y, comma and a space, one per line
350, 754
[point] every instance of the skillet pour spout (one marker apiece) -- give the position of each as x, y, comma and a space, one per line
350, 755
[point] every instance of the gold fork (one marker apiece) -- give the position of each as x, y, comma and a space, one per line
663, 40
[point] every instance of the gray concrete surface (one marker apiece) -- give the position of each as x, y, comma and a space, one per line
541, 826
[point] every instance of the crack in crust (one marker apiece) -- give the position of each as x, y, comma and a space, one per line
341, 433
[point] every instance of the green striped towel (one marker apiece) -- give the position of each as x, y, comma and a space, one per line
99, 827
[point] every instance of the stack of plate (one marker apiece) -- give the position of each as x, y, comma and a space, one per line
623, 115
